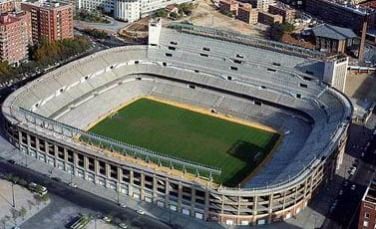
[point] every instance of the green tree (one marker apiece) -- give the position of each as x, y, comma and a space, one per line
277, 30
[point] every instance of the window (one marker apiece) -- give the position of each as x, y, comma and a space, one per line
206, 49
229, 77
168, 54
164, 64
303, 85
234, 68
239, 56
203, 54
173, 42
307, 78
365, 223
309, 72
192, 86
271, 70
171, 48
276, 64
298, 96
258, 103
366, 215
136, 62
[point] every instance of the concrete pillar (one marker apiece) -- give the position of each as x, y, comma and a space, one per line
207, 202
180, 196
130, 188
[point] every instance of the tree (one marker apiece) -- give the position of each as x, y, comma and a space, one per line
160, 13
277, 30
22, 182
23, 212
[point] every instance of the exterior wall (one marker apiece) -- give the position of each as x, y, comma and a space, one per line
227, 6
288, 14
261, 5
367, 215
127, 10
335, 73
15, 37
50, 22
247, 14
268, 19
338, 15
7, 6
220, 205
105, 5
330, 46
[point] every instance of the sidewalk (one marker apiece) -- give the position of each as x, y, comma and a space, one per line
25, 205
152, 210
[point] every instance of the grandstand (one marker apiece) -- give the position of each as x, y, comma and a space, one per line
274, 88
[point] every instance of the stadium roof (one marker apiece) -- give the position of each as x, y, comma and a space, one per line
333, 32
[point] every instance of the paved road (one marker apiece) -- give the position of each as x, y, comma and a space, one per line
80, 198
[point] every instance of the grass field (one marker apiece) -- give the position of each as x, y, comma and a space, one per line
236, 149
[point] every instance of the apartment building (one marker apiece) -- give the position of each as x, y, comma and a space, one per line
262, 5
367, 213
15, 36
50, 21
247, 14
288, 13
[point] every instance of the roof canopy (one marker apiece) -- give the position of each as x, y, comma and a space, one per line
333, 32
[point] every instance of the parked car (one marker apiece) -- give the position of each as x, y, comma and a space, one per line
353, 187
141, 212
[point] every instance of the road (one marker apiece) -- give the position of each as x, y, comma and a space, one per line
78, 197
345, 208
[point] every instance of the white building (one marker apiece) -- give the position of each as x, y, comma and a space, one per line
127, 10
335, 73
105, 5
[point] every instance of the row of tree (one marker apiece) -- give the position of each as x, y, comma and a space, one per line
43, 55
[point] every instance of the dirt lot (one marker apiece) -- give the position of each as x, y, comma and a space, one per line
207, 15
361, 86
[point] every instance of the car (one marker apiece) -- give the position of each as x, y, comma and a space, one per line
106, 219
345, 183
11, 162
123, 225
123, 205
340, 192
57, 179
141, 212
73, 185
353, 187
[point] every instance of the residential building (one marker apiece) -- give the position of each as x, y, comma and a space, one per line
127, 10
367, 213
15, 36
229, 6
50, 21
333, 39
335, 72
8, 6
261, 5
341, 15
268, 18
247, 14
284, 10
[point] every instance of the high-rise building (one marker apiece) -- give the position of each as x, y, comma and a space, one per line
15, 36
50, 21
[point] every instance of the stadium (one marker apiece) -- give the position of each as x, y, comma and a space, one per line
223, 129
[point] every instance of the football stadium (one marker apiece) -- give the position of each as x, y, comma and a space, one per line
210, 124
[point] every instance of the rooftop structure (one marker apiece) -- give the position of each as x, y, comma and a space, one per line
284, 10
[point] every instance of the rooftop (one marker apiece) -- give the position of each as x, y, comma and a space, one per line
333, 32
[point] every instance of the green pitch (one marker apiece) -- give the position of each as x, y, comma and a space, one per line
236, 149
